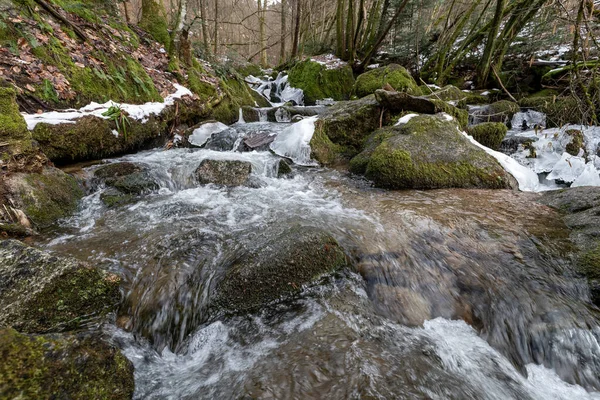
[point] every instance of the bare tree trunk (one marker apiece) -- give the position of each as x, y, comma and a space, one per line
283, 33
262, 5
349, 51
296, 40
179, 24
339, 25
485, 65
204, 27
216, 43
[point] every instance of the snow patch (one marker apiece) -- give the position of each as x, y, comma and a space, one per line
405, 119
140, 112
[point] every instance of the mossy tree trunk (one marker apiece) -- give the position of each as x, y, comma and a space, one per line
298, 20
339, 25
485, 65
154, 21
283, 32
262, 5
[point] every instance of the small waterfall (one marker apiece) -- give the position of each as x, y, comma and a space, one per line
262, 115
277, 91
241, 117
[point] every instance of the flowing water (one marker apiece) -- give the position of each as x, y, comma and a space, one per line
453, 294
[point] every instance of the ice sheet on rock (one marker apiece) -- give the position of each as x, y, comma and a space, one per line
293, 142
205, 131
140, 112
588, 177
568, 168
527, 179
528, 119
405, 119
277, 91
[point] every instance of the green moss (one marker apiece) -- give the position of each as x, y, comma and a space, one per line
323, 149
559, 110
504, 107
50, 196
318, 82
448, 93
250, 69
427, 153
476, 99
236, 95
394, 75
576, 143
489, 134
53, 367
12, 124
462, 116
154, 22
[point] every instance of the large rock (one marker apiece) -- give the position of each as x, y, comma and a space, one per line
128, 178
500, 111
401, 101
341, 131
428, 152
224, 172
581, 209
318, 81
40, 292
393, 75
45, 196
278, 269
62, 367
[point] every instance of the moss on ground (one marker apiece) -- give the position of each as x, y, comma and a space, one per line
559, 110
394, 75
62, 367
12, 124
318, 82
489, 134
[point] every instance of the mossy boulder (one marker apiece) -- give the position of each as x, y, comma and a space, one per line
318, 81
489, 134
41, 292
278, 269
44, 196
236, 94
428, 152
461, 116
78, 367
341, 131
393, 75
448, 93
475, 99
12, 124
224, 172
401, 101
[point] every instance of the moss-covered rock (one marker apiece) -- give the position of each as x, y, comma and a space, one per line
489, 134
340, 132
393, 75
62, 367
319, 82
12, 124
448, 93
576, 143
44, 197
40, 292
112, 197
476, 99
401, 101
279, 269
500, 111
236, 95
428, 152
461, 116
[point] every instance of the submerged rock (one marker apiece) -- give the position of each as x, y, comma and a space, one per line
62, 367
224, 172
393, 75
428, 152
40, 292
127, 178
489, 134
299, 256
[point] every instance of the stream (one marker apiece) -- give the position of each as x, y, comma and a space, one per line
455, 294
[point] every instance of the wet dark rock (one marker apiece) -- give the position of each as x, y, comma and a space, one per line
283, 169
40, 292
112, 197
428, 152
511, 144
581, 209
279, 269
128, 178
259, 141
224, 172
62, 367
223, 141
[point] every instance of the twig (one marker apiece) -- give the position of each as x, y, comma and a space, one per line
502, 85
